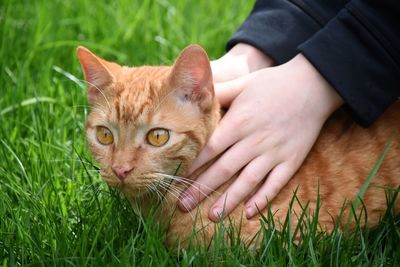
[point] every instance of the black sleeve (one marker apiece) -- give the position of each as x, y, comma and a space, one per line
277, 27
358, 53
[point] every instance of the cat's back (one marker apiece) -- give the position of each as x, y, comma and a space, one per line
341, 161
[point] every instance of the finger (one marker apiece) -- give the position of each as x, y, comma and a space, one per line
223, 137
247, 181
226, 92
219, 71
276, 180
220, 172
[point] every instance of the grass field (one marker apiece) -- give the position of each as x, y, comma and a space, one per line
54, 207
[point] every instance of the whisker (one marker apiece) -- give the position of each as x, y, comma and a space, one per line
154, 190
189, 182
180, 191
60, 160
95, 86
80, 175
99, 109
170, 188
81, 106
163, 99
174, 193
101, 92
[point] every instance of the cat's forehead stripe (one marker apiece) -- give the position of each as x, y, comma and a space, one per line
134, 100
117, 109
137, 93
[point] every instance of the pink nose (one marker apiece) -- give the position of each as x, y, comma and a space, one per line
122, 171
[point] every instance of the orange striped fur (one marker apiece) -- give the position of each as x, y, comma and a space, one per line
130, 101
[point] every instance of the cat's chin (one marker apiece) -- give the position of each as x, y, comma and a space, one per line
132, 192
129, 189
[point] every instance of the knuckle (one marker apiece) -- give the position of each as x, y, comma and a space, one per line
223, 170
240, 121
251, 178
259, 139
211, 148
275, 187
234, 121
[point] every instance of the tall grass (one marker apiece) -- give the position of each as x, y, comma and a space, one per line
54, 208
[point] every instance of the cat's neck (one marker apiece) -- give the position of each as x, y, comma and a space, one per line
163, 205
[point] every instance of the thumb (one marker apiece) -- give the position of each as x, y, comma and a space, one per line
226, 92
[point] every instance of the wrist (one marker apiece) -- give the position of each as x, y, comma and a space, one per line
256, 59
251, 57
323, 99
241, 60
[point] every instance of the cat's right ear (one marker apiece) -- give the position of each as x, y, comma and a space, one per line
191, 77
98, 72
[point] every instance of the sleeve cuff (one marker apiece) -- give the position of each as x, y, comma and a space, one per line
354, 62
275, 27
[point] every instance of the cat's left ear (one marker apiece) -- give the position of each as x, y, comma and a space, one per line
191, 77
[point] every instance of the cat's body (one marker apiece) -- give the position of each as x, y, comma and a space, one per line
335, 170
177, 103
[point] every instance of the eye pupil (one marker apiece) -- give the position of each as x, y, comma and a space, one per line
104, 135
158, 137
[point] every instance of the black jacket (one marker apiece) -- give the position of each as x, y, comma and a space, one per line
354, 44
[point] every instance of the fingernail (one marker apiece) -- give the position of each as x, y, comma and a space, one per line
250, 211
217, 212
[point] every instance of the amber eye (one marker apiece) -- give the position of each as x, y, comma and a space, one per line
158, 137
104, 135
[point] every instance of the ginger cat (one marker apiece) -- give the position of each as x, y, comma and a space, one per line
147, 124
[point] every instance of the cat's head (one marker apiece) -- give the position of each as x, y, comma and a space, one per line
148, 121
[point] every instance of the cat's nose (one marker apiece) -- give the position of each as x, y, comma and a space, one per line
122, 171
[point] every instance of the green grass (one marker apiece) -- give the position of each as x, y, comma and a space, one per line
54, 208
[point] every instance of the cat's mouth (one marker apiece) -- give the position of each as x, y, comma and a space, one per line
154, 183
137, 185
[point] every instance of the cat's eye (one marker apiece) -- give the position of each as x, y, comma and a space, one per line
158, 137
104, 135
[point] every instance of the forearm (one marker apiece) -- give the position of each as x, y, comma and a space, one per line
242, 59
358, 53
277, 27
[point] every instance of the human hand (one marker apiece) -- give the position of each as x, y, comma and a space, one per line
274, 118
242, 59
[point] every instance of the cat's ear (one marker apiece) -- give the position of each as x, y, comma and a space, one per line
191, 77
98, 72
